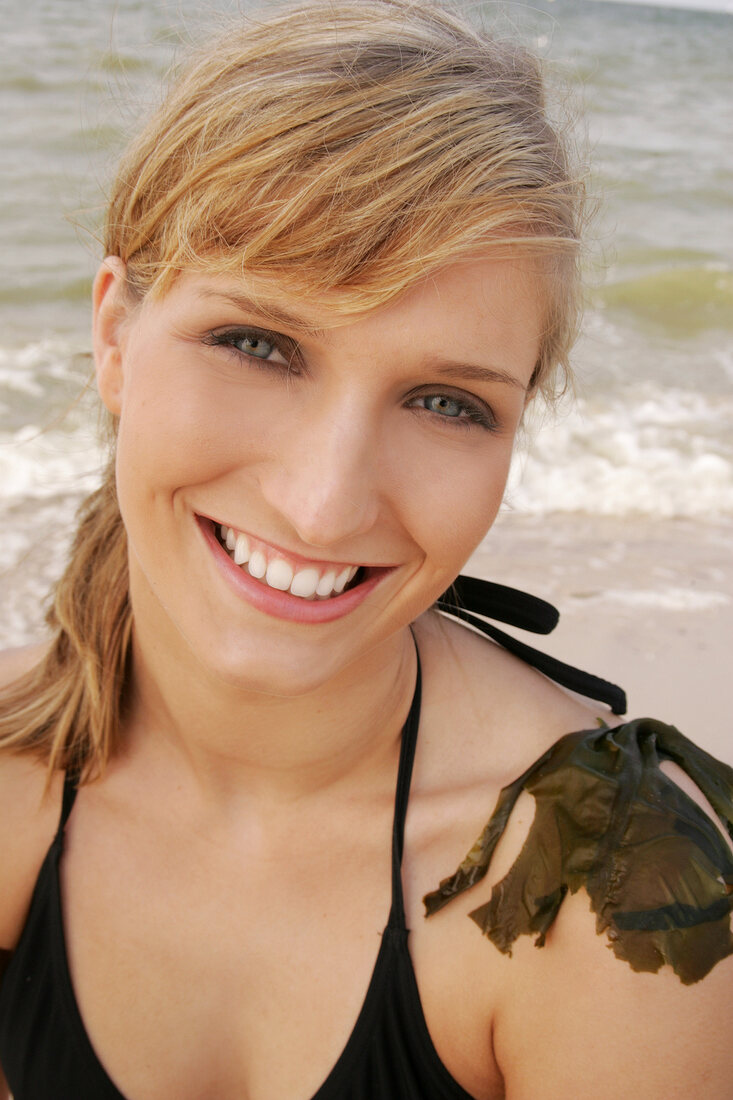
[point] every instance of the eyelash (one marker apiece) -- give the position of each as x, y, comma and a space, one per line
228, 339
473, 413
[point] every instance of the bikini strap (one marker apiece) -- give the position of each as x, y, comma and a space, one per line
402, 795
71, 785
470, 597
467, 599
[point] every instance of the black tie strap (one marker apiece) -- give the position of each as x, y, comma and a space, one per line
468, 598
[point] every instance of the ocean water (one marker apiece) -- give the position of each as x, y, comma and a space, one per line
651, 431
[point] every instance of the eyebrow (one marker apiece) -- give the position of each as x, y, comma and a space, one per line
471, 373
261, 306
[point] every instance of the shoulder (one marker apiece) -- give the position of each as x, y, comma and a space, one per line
28, 814
624, 879
14, 663
605, 848
504, 712
28, 819
576, 1021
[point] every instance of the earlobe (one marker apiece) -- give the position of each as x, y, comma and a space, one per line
110, 310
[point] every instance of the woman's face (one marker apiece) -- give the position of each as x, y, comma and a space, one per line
371, 454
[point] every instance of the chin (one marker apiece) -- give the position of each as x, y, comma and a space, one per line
281, 672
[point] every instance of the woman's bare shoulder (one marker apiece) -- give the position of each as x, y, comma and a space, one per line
496, 699
15, 662
600, 1029
28, 818
28, 813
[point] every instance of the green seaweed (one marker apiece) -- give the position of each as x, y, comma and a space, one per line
656, 868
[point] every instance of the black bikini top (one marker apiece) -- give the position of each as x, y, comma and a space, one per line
658, 874
44, 1045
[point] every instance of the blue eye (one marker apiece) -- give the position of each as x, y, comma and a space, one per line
444, 405
458, 411
254, 345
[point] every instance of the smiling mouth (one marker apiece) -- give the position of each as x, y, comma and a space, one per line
273, 569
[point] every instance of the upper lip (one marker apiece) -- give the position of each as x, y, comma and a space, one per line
292, 556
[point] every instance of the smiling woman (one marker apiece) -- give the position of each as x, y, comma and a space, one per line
340, 261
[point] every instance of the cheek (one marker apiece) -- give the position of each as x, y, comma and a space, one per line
453, 502
176, 430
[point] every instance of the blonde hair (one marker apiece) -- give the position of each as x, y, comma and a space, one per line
351, 147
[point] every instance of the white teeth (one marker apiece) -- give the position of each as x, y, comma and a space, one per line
241, 549
342, 580
326, 583
305, 583
257, 565
279, 575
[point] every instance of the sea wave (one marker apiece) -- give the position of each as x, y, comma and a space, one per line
43, 290
37, 464
681, 301
661, 460
657, 452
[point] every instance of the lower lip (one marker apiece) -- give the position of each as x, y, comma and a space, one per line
283, 605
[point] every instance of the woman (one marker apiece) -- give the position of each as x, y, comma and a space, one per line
341, 259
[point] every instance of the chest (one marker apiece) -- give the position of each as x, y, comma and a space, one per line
204, 975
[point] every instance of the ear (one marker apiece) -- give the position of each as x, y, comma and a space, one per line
111, 308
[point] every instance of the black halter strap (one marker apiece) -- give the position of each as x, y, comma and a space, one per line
468, 598
71, 783
402, 795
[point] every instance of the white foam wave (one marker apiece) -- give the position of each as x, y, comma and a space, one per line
39, 465
665, 454
23, 368
49, 450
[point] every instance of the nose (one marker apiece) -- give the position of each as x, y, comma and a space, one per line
323, 477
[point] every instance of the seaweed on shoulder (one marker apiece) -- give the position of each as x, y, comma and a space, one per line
657, 870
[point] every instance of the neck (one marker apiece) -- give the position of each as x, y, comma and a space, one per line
235, 742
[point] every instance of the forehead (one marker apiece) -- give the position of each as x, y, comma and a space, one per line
480, 289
